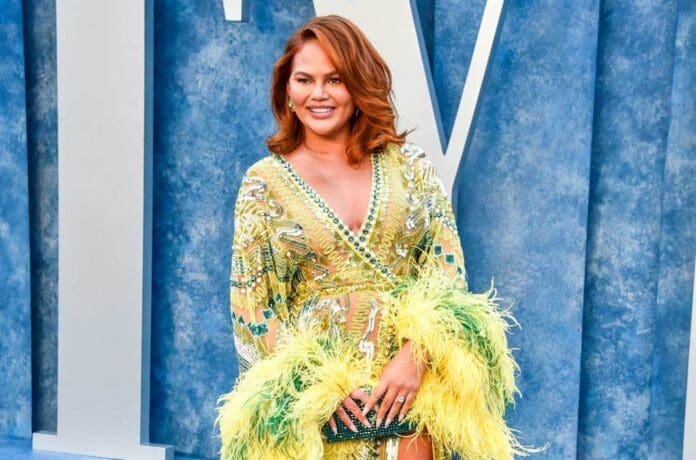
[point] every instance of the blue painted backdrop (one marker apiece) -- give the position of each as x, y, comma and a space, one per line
577, 192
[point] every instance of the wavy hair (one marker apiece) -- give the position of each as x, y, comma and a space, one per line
365, 75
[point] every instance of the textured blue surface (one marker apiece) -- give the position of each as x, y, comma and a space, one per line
454, 39
211, 118
15, 285
577, 192
523, 199
42, 145
631, 126
20, 449
677, 248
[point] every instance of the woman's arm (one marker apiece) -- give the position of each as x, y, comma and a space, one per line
460, 336
258, 292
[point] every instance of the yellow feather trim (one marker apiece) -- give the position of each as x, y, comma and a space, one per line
278, 407
470, 377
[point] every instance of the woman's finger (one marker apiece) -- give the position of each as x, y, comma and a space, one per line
343, 415
359, 395
398, 403
386, 404
374, 397
407, 406
332, 424
350, 405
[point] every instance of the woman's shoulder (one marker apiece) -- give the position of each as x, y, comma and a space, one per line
261, 168
410, 156
408, 152
255, 184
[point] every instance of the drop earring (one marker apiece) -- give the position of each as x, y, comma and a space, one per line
291, 105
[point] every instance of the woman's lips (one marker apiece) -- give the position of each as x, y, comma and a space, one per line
321, 112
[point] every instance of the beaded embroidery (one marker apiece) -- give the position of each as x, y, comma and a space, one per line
295, 263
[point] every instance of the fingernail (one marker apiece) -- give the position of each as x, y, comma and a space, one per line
365, 410
401, 417
367, 423
379, 422
353, 429
334, 430
386, 425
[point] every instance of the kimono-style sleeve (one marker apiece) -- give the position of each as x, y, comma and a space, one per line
446, 249
461, 335
291, 378
258, 289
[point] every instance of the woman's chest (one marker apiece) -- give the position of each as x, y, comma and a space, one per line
345, 189
321, 247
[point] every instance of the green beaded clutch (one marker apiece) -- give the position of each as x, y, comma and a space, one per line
345, 433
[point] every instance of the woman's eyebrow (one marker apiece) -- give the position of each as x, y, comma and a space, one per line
328, 74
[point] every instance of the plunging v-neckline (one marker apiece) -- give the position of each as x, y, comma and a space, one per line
368, 219
360, 242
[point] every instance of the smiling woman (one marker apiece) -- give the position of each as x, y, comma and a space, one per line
331, 59
350, 304
317, 94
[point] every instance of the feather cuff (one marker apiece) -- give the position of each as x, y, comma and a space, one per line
470, 377
279, 405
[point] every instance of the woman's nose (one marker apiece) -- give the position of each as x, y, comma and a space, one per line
318, 92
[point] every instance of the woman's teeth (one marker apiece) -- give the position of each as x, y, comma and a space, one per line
321, 110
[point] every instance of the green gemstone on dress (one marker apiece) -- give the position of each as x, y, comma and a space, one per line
449, 258
437, 249
258, 328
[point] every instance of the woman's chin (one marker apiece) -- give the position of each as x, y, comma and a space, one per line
325, 131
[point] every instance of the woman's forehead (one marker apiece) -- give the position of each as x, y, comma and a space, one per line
311, 58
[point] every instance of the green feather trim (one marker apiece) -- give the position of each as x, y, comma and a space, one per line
470, 377
277, 407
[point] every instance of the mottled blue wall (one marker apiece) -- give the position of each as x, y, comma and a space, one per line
627, 331
522, 206
15, 282
577, 192
42, 145
677, 243
211, 118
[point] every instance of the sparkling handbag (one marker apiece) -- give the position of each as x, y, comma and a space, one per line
345, 433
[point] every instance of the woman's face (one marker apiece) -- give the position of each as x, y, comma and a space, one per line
322, 102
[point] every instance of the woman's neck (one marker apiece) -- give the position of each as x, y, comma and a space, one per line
321, 146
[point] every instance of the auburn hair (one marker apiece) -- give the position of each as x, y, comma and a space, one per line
365, 75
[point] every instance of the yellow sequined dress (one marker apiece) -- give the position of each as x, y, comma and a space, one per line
298, 273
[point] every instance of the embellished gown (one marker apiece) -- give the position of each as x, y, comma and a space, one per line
318, 310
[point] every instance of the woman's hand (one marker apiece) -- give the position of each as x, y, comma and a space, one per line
398, 386
349, 404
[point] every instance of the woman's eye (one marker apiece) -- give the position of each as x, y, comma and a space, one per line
301, 80
335, 80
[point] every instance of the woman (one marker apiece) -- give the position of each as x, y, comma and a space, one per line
348, 286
